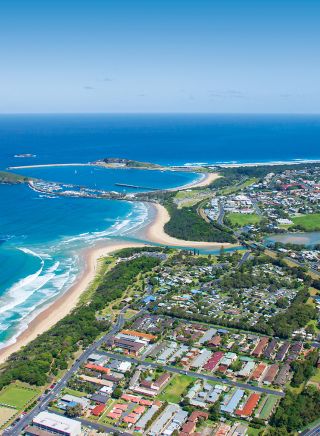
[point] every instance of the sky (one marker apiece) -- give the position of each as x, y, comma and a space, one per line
194, 56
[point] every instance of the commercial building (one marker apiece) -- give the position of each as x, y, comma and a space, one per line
57, 424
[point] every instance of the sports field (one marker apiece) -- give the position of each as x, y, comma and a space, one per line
309, 223
17, 396
243, 219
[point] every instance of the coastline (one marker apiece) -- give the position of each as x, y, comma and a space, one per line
67, 301
204, 181
154, 232
262, 164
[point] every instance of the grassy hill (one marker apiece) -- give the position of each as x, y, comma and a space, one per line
12, 179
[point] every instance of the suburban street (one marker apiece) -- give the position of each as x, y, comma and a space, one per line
194, 374
47, 398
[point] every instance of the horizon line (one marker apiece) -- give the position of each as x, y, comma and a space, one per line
164, 113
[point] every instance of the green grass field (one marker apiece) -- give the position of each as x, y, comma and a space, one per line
316, 377
309, 223
17, 396
73, 392
268, 407
243, 219
175, 388
238, 187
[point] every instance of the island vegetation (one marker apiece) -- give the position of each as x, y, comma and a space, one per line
12, 179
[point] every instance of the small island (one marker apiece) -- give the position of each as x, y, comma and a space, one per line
25, 155
12, 179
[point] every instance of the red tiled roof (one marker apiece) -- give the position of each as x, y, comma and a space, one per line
98, 368
249, 406
98, 410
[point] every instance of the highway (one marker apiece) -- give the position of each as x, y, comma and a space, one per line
194, 374
50, 396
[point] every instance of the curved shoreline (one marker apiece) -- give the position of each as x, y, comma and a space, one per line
63, 305
155, 233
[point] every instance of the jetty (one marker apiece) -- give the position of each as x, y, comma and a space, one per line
125, 185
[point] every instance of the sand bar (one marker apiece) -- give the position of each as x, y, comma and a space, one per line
155, 233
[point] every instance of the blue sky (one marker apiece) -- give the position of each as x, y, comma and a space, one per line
221, 56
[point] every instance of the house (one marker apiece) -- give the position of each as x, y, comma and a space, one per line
232, 403
271, 374
260, 347
249, 406
98, 410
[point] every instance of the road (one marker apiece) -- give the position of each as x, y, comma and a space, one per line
244, 258
50, 396
194, 374
221, 214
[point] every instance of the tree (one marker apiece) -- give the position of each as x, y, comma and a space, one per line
117, 393
74, 411
214, 411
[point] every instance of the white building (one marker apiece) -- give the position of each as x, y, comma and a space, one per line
56, 423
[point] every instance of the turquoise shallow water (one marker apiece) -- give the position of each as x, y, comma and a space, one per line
40, 238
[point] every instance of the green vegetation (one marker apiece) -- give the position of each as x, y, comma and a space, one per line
237, 187
130, 163
17, 396
186, 224
296, 316
308, 223
304, 369
297, 410
268, 407
242, 219
12, 179
173, 392
73, 392
50, 352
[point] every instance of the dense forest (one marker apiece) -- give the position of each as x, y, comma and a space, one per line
52, 350
185, 223
297, 410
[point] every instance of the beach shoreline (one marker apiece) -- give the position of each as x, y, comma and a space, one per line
155, 233
65, 303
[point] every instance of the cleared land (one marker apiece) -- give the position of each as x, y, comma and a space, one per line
17, 396
6, 413
238, 187
173, 392
309, 223
243, 219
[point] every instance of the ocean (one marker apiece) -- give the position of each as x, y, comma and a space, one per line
41, 238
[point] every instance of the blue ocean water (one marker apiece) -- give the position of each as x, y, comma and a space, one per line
40, 237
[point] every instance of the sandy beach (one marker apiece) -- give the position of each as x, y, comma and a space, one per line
64, 304
155, 233
206, 180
